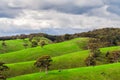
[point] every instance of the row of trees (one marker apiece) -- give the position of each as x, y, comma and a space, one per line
93, 46
33, 43
94, 52
39, 41
54, 38
109, 36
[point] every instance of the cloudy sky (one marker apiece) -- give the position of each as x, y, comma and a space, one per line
57, 16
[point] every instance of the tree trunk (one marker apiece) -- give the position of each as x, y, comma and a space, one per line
40, 70
46, 70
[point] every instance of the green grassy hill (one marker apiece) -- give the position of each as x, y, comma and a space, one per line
13, 45
18, 44
51, 49
65, 55
104, 72
71, 60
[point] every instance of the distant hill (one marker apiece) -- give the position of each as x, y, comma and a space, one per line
111, 35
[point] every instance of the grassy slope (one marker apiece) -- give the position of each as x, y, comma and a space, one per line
104, 72
12, 45
52, 49
66, 61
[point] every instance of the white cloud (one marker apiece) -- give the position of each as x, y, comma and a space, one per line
31, 15
37, 20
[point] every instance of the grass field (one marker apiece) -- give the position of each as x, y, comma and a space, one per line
104, 72
13, 45
68, 55
67, 61
51, 49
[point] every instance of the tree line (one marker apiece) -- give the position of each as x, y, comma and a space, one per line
109, 36
95, 54
54, 38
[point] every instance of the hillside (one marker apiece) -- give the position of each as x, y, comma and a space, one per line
66, 61
104, 72
12, 45
66, 55
51, 49
59, 39
109, 35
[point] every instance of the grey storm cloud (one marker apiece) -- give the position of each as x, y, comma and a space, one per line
67, 6
57, 16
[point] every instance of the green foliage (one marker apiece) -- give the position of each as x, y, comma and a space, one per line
4, 44
113, 56
34, 44
94, 47
90, 61
43, 62
41, 41
3, 68
107, 36
97, 53
25, 45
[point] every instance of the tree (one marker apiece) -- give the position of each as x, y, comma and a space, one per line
113, 56
67, 37
90, 61
34, 44
96, 53
43, 62
94, 49
4, 49
3, 68
4, 44
42, 43
22, 36
25, 45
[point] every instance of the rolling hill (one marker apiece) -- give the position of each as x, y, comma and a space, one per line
66, 61
68, 56
104, 72
13, 45
51, 49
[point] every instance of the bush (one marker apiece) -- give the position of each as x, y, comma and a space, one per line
90, 61
113, 56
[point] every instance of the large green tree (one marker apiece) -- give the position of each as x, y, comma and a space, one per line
93, 46
42, 43
43, 62
3, 68
90, 61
